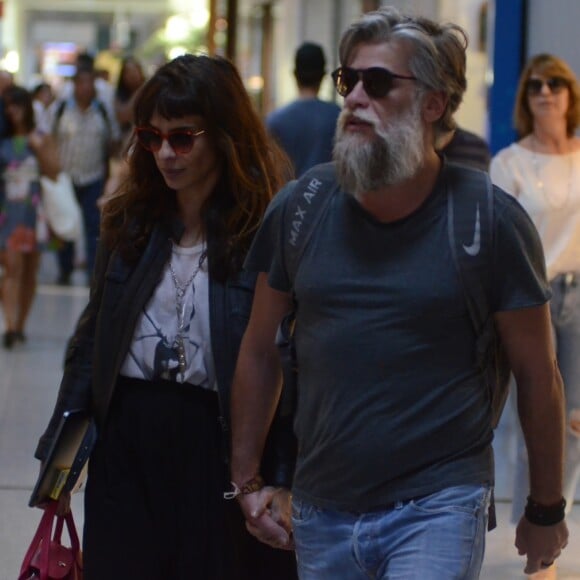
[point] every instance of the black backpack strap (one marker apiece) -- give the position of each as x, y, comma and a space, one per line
57, 116
470, 205
471, 239
103, 112
62, 105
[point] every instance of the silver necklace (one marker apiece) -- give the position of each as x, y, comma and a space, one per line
180, 291
540, 182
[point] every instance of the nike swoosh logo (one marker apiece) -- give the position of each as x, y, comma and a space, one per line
475, 246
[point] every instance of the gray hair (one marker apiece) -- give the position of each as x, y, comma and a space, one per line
438, 56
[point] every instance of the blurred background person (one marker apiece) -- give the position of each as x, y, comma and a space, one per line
131, 78
542, 170
467, 148
87, 138
305, 128
6, 80
105, 91
42, 97
23, 154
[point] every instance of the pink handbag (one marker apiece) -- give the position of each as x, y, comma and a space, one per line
47, 558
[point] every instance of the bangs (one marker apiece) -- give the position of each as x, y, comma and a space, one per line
173, 104
169, 102
552, 70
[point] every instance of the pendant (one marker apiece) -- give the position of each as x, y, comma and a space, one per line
180, 348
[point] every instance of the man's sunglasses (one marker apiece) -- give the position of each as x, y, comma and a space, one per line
180, 140
377, 81
554, 84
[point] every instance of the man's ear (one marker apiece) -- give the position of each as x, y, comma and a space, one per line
434, 105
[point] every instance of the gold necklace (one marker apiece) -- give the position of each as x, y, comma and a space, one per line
540, 182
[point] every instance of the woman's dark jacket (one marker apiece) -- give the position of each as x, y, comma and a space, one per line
105, 330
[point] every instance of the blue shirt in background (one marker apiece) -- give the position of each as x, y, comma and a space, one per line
305, 130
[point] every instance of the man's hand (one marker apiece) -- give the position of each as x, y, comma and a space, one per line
267, 515
541, 544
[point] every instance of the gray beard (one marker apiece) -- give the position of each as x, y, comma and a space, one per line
393, 156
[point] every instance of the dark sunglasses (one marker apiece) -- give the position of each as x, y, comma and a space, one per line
554, 84
180, 140
377, 81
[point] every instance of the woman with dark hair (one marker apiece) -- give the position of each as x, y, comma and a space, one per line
23, 154
542, 171
153, 354
131, 78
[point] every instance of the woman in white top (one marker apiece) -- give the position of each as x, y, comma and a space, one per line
542, 170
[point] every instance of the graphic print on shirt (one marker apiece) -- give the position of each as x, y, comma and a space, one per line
18, 176
169, 321
163, 342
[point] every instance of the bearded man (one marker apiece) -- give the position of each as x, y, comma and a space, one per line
394, 474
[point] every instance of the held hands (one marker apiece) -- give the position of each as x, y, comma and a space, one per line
268, 516
541, 544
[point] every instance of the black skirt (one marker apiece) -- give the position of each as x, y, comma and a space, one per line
154, 506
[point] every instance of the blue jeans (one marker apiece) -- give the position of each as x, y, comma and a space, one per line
438, 536
565, 312
87, 196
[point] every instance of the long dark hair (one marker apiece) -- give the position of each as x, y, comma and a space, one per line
253, 167
123, 92
20, 97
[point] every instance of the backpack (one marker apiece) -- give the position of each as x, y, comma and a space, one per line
62, 106
108, 147
470, 207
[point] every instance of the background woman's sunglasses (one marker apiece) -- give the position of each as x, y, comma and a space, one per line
554, 84
377, 81
180, 140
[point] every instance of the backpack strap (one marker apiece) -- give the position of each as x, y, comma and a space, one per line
103, 111
62, 105
471, 239
470, 205
57, 116
306, 204
304, 209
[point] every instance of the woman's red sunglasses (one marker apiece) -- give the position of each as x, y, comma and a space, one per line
180, 140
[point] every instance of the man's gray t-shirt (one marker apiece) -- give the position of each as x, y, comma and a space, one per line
390, 404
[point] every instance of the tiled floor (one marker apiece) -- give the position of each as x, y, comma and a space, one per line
29, 377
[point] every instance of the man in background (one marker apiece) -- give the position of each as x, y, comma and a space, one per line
467, 148
86, 135
305, 128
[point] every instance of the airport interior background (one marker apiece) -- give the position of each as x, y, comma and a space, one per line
39, 40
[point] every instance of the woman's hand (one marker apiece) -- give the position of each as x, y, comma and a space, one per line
267, 514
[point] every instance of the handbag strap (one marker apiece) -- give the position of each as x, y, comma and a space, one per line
72, 531
43, 532
71, 528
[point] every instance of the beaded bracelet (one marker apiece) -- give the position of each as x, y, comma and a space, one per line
252, 485
542, 515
